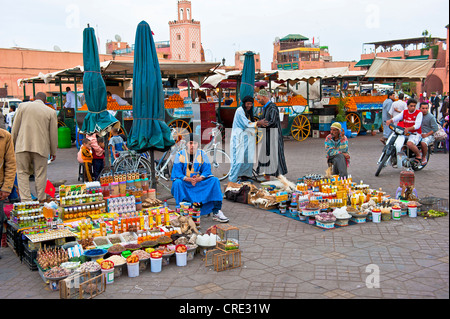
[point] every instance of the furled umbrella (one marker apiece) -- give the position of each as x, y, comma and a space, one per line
98, 119
149, 131
248, 76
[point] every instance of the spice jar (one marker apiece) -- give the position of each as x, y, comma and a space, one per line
138, 183
122, 188
115, 189
106, 190
144, 184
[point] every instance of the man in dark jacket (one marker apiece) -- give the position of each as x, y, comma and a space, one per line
271, 158
434, 100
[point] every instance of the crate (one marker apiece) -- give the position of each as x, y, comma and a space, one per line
210, 256
228, 237
324, 134
82, 286
326, 119
228, 260
325, 127
29, 257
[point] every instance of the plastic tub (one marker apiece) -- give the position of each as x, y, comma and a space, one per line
181, 259
396, 213
109, 275
376, 216
155, 264
412, 211
133, 270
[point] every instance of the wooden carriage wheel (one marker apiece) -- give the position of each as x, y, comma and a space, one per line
183, 129
353, 122
300, 128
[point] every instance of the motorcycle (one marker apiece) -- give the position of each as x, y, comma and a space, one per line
397, 152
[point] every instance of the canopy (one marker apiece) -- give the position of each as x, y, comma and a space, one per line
399, 69
149, 131
313, 74
124, 69
248, 76
98, 120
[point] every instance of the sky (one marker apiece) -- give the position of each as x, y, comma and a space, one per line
226, 26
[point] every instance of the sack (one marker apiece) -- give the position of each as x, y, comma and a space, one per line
440, 134
238, 196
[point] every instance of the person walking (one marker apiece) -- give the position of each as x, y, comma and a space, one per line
7, 172
35, 136
387, 105
435, 104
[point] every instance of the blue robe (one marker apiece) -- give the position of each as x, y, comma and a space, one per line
242, 145
206, 192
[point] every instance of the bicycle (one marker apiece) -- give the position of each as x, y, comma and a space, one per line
219, 159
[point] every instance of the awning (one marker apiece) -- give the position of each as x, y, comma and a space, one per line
305, 75
418, 57
399, 69
124, 69
362, 63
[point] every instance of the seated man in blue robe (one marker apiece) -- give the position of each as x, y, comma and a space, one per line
193, 181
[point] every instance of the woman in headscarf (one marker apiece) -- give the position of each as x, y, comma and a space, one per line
243, 142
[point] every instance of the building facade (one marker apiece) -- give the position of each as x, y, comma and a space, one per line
295, 52
414, 48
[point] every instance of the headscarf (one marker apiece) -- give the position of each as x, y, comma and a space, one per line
249, 114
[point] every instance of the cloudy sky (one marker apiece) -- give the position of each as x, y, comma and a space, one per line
227, 26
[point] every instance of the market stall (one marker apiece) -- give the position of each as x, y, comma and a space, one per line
333, 202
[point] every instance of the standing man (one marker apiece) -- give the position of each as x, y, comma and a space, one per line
243, 142
9, 117
435, 104
398, 106
387, 105
429, 127
7, 172
35, 136
70, 99
271, 158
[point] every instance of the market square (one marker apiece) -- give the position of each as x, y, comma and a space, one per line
151, 170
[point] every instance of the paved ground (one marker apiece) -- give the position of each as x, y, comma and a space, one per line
283, 258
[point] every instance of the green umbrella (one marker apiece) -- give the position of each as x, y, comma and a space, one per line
248, 76
149, 131
98, 120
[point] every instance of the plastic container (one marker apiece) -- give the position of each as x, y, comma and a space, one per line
122, 188
181, 259
151, 194
376, 216
155, 264
115, 189
133, 270
145, 184
412, 211
109, 275
106, 190
64, 137
396, 213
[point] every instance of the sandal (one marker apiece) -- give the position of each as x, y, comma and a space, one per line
418, 160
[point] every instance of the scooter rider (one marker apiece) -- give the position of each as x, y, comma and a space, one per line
412, 122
